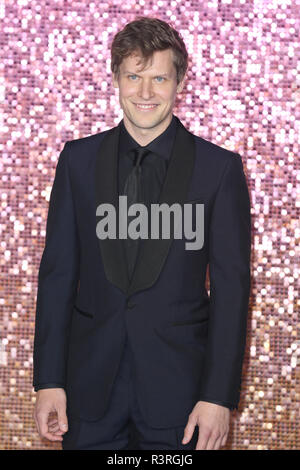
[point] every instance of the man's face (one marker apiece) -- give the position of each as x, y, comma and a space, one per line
155, 85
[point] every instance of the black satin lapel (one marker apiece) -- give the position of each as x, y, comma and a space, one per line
153, 252
106, 191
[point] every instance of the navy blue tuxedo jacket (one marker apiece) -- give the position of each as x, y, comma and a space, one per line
187, 346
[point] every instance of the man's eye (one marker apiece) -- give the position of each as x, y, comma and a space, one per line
132, 77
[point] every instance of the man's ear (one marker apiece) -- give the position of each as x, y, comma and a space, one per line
180, 85
115, 81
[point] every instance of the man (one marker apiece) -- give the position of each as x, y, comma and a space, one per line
126, 333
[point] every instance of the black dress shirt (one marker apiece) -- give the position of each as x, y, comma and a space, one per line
154, 165
154, 168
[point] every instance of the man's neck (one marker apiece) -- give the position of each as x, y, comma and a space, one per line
144, 136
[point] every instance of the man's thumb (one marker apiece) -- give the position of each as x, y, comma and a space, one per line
62, 419
188, 432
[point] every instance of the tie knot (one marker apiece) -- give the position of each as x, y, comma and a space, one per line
139, 154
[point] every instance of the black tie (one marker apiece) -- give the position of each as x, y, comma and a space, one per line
134, 193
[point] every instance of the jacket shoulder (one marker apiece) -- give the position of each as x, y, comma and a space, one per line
214, 152
86, 142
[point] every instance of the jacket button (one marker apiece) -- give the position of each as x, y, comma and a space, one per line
130, 304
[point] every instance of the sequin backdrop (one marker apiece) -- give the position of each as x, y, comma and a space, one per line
242, 93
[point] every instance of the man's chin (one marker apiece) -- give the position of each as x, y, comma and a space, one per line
145, 123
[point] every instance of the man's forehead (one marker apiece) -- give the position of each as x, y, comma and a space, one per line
134, 63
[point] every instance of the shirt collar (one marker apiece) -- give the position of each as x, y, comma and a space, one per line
161, 145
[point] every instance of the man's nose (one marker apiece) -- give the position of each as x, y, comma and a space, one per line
145, 90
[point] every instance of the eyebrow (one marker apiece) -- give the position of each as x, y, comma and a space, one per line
134, 73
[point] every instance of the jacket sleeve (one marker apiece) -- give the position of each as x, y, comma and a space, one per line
57, 281
229, 270
43, 386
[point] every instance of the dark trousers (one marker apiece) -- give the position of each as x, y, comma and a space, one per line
122, 427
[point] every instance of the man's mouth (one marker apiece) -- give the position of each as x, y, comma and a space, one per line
145, 107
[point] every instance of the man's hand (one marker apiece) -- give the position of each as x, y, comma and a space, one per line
51, 401
213, 422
